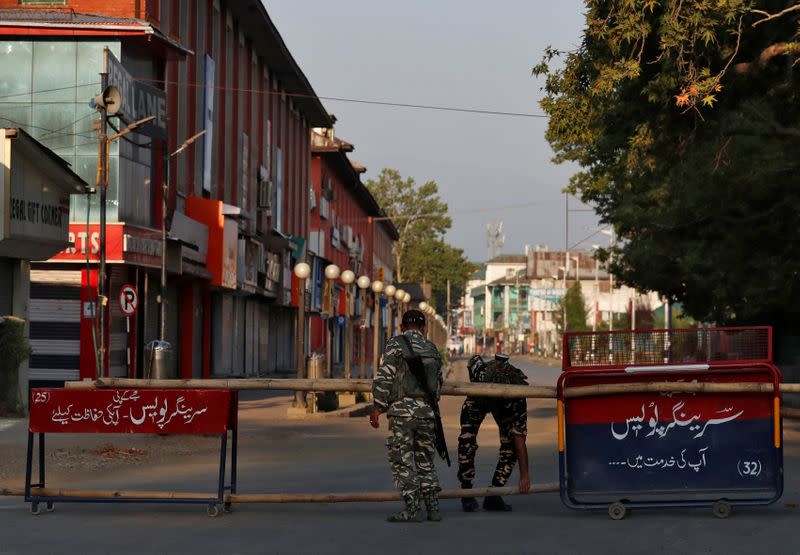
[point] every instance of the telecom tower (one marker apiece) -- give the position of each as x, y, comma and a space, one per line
495, 239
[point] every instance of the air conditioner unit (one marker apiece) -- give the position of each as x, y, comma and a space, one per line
265, 194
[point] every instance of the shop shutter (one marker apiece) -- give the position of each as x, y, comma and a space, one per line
55, 325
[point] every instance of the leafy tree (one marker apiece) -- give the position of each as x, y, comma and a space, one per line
421, 254
417, 211
435, 262
684, 116
574, 305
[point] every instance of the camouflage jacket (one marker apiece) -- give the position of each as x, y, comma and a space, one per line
392, 368
512, 414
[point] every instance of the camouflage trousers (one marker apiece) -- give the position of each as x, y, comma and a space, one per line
411, 452
473, 412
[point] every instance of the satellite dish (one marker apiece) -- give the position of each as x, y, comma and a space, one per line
109, 99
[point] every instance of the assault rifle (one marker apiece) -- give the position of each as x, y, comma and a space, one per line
417, 368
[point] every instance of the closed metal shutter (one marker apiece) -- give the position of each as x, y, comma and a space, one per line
118, 334
6, 287
55, 325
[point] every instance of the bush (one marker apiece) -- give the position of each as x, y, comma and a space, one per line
14, 349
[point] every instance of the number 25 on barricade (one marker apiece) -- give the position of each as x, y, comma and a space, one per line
128, 300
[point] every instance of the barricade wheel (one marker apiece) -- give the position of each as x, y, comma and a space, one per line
213, 510
51, 507
35, 510
227, 507
617, 511
721, 509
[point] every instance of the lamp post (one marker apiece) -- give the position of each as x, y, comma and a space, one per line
348, 277
596, 287
389, 292
302, 271
102, 162
399, 296
423, 306
331, 273
164, 192
377, 288
363, 283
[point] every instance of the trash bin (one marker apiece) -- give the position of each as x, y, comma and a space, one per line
316, 366
159, 361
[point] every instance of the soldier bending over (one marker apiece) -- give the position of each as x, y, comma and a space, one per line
511, 416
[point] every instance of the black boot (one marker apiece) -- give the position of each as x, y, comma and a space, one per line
411, 513
495, 503
469, 504
432, 505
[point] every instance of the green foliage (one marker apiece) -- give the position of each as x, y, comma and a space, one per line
14, 349
684, 116
417, 211
436, 262
421, 254
574, 305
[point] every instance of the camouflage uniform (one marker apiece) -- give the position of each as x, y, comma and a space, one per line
511, 416
411, 421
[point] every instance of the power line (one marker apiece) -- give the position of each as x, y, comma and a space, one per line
345, 99
26, 93
455, 212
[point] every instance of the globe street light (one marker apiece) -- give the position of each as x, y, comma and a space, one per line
348, 277
331, 273
363, 283
302, 271
389, 291
399, 296
377, 288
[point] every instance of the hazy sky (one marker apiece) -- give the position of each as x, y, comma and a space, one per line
459, 53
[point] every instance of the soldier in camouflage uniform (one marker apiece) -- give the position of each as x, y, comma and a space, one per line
511, 416
411, 439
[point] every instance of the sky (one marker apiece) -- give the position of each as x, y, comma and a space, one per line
455, 53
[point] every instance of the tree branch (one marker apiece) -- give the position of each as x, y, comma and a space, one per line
765, 57
770, 16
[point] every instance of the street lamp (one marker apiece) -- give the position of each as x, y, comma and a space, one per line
377, 288
348, 277
363, 283
331, 272
596, 286
102, 162
399, 296
389, 291
164, 192
302, 271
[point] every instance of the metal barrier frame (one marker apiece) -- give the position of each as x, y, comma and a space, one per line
214, 503
572, 503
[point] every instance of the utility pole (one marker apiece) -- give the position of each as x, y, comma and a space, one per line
102, 163
449, 317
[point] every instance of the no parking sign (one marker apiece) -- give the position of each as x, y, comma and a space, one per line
128, 300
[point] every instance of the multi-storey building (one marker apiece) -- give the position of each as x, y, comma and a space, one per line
348, 229
237, 199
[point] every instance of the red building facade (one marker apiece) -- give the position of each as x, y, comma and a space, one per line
346, 229
238, 199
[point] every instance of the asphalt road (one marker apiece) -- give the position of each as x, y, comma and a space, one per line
338, 455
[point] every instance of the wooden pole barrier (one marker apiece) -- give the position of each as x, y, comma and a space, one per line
328, 384
351, 497
449, 388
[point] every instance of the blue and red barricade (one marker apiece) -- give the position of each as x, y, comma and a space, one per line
622, 446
